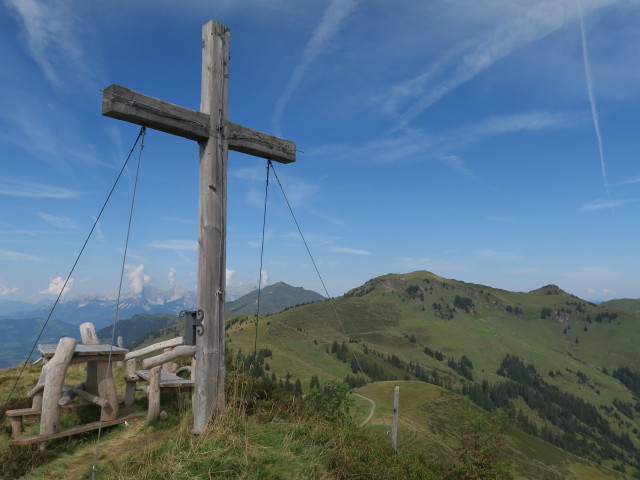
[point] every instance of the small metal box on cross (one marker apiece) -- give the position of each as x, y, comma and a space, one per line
215, 135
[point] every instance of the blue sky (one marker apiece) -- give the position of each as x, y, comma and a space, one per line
490, 141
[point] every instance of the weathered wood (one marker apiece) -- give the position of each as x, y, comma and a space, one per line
208, 395
259, 144
167, 380
181, 351
69, 393
72, 431
119, 343
107, 391
168, 366
54, 380
130, 378
215, 135
174, 342
47, 350
37, 389
19, 415
88, 334
134, 107
88, 397
394, 426
154, 394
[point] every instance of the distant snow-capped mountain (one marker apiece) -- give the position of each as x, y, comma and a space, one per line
100, 308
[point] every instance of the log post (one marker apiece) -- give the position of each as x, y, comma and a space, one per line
130, 378
120, 343
154, 393
54, 381
394, 427
89, 337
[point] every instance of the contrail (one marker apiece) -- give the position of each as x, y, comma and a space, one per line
334, 16
592, 100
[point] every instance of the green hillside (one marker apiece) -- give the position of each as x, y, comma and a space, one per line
553, 361
135, 329
273, 299
625, 304
562, 370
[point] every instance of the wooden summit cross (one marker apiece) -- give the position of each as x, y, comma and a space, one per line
215, 135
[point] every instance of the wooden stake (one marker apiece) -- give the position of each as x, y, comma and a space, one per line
394, 427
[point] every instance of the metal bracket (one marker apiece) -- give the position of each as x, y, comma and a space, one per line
192, 325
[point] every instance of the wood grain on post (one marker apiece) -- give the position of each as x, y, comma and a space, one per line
154, 394
208, 393
130, 379
119, 343
181, 351
54, 381
89, 337
174, 342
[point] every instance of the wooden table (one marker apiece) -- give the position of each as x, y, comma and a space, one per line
99, 382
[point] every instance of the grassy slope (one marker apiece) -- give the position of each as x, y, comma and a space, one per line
386, 314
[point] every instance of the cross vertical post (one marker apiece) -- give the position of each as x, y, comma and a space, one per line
216, 135
208, 395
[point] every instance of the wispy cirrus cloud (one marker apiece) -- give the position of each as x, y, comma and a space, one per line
175, 244
18, 188
517, 25
332, 20
59, 221
351, 251
18, 256
601, 204
53, 38
496, 255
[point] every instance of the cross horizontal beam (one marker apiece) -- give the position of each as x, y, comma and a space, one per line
134, 107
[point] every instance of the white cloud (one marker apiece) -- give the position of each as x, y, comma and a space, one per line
5, 289
349, 250
171, 276
229, 276
52, 31
188, 245
21, 257
18, 188
137, 277
59, 221
55, 286
334, 16
264, 277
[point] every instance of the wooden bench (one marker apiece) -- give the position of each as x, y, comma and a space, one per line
159, 371
87, 427
19, 414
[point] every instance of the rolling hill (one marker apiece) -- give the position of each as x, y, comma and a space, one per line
274, 298
565, 369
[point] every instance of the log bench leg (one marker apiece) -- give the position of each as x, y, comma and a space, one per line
16, 427
154, 394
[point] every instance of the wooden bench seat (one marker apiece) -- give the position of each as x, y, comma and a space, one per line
71, 431
167, 379
19, 414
